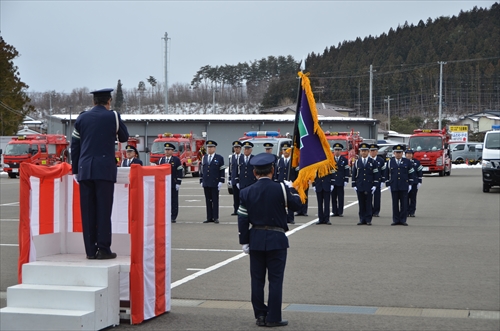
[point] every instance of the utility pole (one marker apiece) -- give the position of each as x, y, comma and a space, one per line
50, 112
166, 72
388, 100
370, 114
440, 91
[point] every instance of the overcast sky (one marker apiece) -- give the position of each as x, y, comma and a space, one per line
72, 44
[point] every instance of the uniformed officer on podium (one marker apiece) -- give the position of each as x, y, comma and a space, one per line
263, 205
94, 168
212, 176
176, 173
132, 156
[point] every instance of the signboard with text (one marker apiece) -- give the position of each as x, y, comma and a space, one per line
459, 133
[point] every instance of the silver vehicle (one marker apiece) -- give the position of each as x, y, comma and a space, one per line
466, 151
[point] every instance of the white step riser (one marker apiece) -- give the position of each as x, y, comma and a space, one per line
30, 319
71, 275
57, 297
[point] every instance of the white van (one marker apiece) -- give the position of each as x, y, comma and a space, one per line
491, 158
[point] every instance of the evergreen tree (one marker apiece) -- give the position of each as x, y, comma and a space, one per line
13, 98
119, 96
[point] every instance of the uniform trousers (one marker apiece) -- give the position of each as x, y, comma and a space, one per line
365, 206
412, 200
323, 206
175, 203
303, 210
236, 198
212, 202
274, 263
338, 200
399, 206
376, 200
96, 204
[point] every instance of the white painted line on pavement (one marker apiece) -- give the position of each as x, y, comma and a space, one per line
10, 245
206, 250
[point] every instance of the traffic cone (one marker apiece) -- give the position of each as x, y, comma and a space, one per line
466, 161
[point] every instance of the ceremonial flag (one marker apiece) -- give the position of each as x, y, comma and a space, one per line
311, 151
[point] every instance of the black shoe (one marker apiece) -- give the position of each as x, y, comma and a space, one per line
208, 221
173, 221
302, 215
261, 321
392, 224
234, 214
375, 215
368, 223
361, 223
280, 323
318, 223
102, 255
216, 221
291, 222
340, 215
91, 257
328, 223
404, 224
298, 214
411, 215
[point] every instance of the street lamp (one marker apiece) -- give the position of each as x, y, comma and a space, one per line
213, 98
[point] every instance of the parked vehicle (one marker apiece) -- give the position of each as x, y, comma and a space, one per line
462, 152
431, 148
491, 158
39, 149
350, 141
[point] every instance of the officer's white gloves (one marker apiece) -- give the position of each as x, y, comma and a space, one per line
418, 185
297, 169
219, 186
246, 248
288, 183
75, 177
409, 188
177, 187
229, 182
201, 184
238, 185
355, 188
314, 188
345, 184
152, 164
332, 187
373, 189
381, 184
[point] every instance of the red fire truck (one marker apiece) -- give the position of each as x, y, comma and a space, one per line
186, 149
350, 141
120, 151
39, 149
431, 148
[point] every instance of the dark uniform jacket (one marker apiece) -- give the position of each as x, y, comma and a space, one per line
125, 162
233, 167
245, 173
212, 174
93, 144
341, 175
417, 171
282, 170
380, 162
263, 204
177, 169
364, 177
323, 183
399, 177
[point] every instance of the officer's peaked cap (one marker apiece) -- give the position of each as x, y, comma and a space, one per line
211, 143
102, 92
169, 146
364, 146
398, 148
285, 146
338, 146
237, 143
268, 145
409, 150
262, 160
374, 147
247, 144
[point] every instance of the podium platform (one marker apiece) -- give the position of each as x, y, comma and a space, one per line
59, 289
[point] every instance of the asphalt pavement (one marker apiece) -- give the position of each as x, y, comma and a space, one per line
442, 272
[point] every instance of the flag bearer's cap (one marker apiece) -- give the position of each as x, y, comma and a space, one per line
262, 160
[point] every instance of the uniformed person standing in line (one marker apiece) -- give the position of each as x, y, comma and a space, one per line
268, 147
399, 177
340, 180
380, 162
263, 205
284, 165
176, 179
323, 186
94, 168
211, 179
234, 161
132, 156
245, 176
365, 178
417, 182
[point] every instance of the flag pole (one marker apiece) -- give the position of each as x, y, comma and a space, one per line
295, 127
